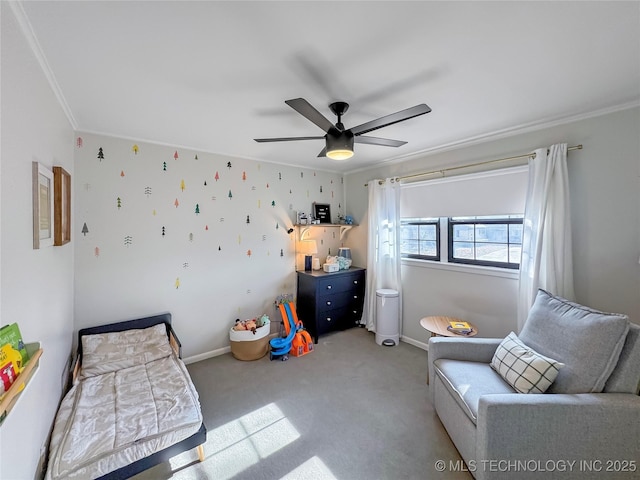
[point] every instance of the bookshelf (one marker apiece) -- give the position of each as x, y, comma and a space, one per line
13, 394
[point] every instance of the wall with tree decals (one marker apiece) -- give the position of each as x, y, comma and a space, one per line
200, 235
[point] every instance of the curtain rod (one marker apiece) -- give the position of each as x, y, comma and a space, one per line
443, 170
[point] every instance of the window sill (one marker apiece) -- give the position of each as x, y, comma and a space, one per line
462, 268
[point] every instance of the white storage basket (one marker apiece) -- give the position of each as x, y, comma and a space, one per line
246, 345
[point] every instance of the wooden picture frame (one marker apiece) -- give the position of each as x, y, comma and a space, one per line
62, 206
322, 212
42, 194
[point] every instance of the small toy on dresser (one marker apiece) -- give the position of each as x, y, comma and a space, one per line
342, 262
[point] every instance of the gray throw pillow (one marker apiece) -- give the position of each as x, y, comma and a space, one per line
587, 341
626, 376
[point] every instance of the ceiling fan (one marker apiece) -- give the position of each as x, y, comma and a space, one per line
338, 140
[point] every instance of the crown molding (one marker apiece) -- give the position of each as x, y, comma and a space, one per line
201, 150
27, 30
500, 134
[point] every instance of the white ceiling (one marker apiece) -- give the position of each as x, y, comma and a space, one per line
214, 75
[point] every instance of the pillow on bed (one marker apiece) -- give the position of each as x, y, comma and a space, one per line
107, 352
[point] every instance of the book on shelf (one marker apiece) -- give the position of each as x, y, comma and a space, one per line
460, 327
10, 334
17, 366
13, 356
10, 368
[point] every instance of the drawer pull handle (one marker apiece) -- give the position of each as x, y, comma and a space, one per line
328, 319
328, 287
355, 296
355, 282
328, 303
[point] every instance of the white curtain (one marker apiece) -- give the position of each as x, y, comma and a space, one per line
546, 239
383, 246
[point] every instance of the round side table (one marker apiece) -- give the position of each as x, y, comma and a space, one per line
437, 325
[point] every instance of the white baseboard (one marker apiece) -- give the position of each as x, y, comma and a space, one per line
205, 355
415, 343
214, 353
223, 350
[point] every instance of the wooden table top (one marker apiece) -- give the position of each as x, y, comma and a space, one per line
437, 325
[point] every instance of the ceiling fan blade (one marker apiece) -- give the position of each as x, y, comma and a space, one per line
323, 152
305, 109
385, 142
391, 119
285, 139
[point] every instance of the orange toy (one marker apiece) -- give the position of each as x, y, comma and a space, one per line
302, 342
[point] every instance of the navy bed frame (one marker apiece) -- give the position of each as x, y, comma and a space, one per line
161, 456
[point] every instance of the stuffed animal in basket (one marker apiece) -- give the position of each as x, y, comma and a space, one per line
251, 324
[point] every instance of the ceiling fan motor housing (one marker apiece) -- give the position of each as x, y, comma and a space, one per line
339, 144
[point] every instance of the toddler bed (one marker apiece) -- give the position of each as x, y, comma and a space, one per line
132, 404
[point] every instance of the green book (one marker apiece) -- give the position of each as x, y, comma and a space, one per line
11, 334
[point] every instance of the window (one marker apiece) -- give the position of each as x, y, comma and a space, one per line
420, 238
494, 241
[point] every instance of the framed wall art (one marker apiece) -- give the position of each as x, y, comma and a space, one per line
62, 206
322, 212
42, 206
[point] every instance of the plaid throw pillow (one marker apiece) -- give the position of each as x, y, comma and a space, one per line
524, 369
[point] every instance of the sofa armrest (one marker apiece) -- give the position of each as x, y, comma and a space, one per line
453, 348
597, 431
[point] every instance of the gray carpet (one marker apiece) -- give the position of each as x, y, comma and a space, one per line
349, 410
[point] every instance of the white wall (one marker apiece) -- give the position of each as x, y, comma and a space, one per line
604, 180
207, 252
37, 285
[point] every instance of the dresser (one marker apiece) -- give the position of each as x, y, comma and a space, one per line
330, 301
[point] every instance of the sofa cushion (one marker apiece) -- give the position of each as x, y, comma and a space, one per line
587, 341
626, 376
468, 381
522, 367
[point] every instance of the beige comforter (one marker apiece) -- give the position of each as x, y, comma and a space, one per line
130, 401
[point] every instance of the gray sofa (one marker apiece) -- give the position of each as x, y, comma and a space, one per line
586, 425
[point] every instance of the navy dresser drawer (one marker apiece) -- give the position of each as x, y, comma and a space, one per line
330, 301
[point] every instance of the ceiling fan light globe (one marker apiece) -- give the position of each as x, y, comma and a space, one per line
340, 154
340, 146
